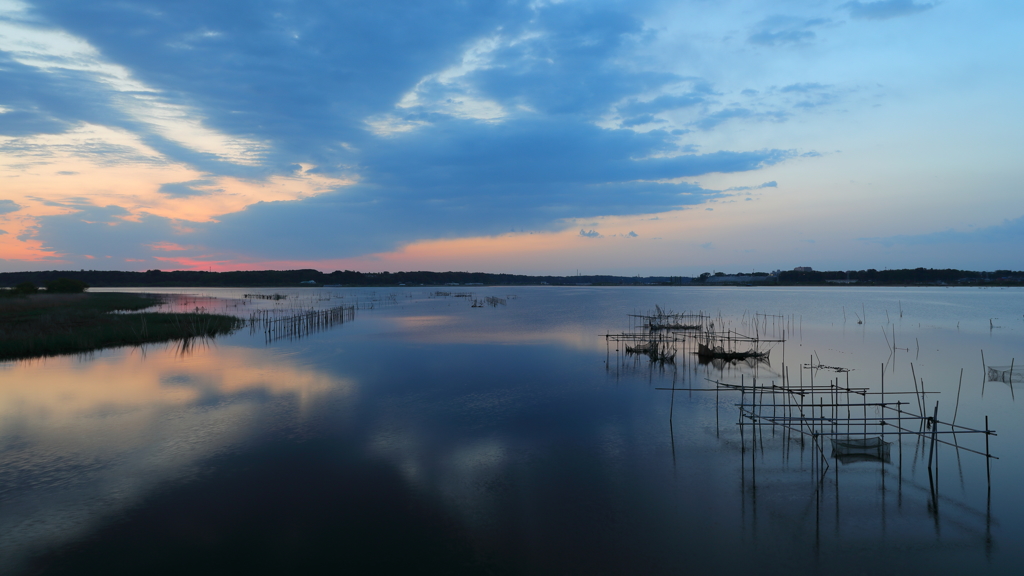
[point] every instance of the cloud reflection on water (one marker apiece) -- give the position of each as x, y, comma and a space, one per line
85, 440
429, 329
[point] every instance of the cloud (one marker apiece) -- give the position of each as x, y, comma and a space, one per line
1009, 233
166, 247
562, 62
639, 120
590, 234
297, 78
456, 178
8, 206
463, 154
100, 230
772, 184
666, 102
346, 223
494, 109
716, 118
188, 189
804, 87
632, 234
66, 173
88, 142
782, 30
712, 120
885, 9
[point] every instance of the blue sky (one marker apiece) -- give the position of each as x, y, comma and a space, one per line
527, 137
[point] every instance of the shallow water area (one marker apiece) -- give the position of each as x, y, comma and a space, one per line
426, 434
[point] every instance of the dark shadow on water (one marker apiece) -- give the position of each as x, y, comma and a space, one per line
289, 508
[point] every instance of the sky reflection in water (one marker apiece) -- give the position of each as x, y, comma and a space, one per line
427, 434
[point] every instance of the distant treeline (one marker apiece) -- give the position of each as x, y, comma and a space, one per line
276, 278
947, 276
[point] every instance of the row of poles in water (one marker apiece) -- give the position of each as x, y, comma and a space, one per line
275, 327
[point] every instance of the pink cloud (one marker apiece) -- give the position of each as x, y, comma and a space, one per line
166, 247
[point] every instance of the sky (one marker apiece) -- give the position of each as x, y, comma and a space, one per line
530, 137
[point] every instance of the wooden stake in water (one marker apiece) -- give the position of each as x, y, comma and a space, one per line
924, 399
1011, 378
883, 398
920, 408
958, 394
935, 426
988, 457
984, 373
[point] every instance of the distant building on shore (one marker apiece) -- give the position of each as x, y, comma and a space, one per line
803, 269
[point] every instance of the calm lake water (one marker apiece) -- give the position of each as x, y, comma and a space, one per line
426, 435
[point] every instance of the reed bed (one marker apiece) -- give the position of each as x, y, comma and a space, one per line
52, 325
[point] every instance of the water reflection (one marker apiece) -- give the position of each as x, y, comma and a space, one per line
455, 329
82, 440
509, 439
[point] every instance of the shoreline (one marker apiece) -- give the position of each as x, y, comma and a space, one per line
43, 325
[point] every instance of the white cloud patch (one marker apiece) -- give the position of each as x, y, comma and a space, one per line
55, 52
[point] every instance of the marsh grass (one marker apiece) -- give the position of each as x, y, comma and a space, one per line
55, 324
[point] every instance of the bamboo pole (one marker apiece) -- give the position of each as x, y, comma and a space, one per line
914, 375
988, 457
1011, 378
957, 407
935, 427
984, 373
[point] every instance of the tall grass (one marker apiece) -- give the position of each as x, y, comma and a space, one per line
55, 324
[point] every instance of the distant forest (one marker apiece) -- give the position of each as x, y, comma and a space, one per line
903, 276
281, 278
269, 278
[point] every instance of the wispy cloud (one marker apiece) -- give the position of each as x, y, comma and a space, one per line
715, 119
188, 189
782, 30
61, 78
771, 184
804, 87
1009, 233
885, 9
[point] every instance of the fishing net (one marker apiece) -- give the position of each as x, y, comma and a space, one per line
871, 449
1005, 374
